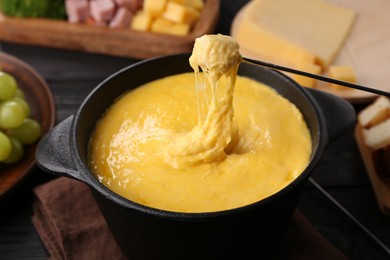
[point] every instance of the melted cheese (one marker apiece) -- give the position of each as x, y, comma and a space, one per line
216, 55
167, 146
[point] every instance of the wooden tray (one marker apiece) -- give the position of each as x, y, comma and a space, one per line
366, 49
103, 40
381, 188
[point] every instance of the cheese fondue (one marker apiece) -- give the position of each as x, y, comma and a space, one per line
216, 55
172, 146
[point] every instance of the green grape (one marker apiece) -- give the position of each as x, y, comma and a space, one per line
16, 153
11, 114
8, 86
5, 146
19, 93
23, 103
28, 132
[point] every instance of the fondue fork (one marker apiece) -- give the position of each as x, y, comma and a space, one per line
350, 216
315, 76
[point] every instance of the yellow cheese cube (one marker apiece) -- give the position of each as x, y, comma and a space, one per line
154, 7
307, 81
278, 28
179, 13
161, 25
197, 4
305, 58
141, 22
344, 73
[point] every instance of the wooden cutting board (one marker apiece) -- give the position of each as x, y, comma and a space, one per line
103, 40
367, 48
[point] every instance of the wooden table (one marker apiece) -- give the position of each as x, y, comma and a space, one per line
72, 75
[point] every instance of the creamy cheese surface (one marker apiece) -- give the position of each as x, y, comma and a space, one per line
172, 146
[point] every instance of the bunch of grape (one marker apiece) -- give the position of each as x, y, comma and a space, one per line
17, 128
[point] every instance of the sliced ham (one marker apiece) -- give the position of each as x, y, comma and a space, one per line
102, 10
132, 5
77, 10
112, 13
122, 18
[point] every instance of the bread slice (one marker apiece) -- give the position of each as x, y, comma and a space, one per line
375, 113
378, 136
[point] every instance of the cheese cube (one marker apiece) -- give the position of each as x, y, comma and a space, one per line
141, 22
305, 58
197, 4
154, 7
161, 25
344, 73
179, 13
310, 68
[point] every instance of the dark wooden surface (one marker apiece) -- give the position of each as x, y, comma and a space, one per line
72, 75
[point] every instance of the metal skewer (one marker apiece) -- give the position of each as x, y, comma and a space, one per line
315, 76
351, 217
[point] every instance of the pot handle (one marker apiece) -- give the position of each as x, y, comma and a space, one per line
53, 154
338, 113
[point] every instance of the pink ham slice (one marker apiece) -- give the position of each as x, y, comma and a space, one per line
122, 18
132, 5
102, 10
77, 10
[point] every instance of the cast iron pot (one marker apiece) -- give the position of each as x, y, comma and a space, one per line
147, 233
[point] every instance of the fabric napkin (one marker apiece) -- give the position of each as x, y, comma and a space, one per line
71, 226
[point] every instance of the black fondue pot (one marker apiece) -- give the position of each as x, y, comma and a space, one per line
148, 233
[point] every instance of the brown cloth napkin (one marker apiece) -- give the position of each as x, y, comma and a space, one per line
71, 226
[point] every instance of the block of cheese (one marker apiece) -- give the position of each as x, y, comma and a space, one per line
281, 31
154, 7
161, 25
197, 4
310, 68
141, 22
378, 136
342, 72
180, 13
375, 113
175, 17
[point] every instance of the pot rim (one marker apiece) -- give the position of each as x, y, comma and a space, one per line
94, 183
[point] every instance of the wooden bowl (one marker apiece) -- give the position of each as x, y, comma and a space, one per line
40, 98
111, 41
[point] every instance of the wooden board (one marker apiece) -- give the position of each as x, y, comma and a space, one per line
381, 188
366, 50
103, 40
